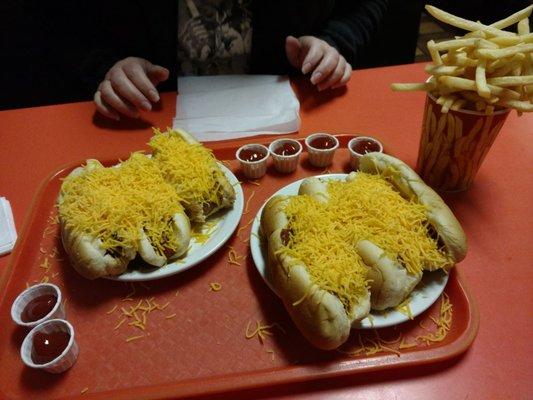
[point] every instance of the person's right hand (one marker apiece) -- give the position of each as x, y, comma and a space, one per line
129, 86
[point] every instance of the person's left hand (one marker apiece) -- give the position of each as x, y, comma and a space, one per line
312, 55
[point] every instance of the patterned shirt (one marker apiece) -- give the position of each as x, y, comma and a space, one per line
214, 37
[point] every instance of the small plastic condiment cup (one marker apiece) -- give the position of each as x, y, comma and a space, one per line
23, 299
320, 157
61, 363
253, 169
285, 163
354, 155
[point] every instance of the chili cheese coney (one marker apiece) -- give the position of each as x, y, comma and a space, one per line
108, 215
376, 231
194, 172
314, 270
389, 281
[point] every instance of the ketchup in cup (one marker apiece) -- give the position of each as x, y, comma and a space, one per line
322, 142
252, 155
48, 346
364, 146
39, 307
286, 149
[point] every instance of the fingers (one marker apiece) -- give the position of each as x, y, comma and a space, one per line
345, 77
139, 78
126, 89
327, 65
157, 73
109, 96
313, 51
340, 75
292, 50
104, 108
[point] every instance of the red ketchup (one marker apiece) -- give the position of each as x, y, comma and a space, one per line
287, 149
38, 308
322, 142
251, 155
365, 146
48, 346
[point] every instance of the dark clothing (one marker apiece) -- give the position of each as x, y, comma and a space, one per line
148, 30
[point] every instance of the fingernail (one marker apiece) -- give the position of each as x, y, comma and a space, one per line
306, 67
315, 77
154, 95
146, 106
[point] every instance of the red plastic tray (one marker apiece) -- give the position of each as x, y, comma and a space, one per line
203, 349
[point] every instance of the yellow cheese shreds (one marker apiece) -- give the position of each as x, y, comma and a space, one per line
375, 211
179, 161
325, 247
114, 204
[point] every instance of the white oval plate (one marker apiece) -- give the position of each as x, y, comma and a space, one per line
227, 222
422, 297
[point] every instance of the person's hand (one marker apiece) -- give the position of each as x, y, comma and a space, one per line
312, 55
129, 86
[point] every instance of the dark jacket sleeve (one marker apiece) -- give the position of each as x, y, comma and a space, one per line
137, 28
352, 24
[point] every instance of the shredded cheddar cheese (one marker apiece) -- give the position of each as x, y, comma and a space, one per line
247, 207
324, 236
116, 204
178, 160
443, 323
215, 286
404, 308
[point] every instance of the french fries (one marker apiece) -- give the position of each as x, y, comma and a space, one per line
494, 64
489, 70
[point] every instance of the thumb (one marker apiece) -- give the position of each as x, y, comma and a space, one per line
292, 49
157, 73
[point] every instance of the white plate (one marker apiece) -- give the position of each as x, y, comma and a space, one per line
227, 222
422, 297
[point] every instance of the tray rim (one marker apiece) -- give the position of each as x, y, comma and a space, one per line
259, 378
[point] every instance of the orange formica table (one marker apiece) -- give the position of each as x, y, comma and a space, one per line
496, 214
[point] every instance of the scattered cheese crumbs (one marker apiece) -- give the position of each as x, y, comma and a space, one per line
112, 310
261, 331
27, 285
55, 274
120, 323
42, 250
326, 171
131, 338
177, 292
54, 253
244, 227
45, 264
84, 390
48, 230
247, 207
234, 257
45, 279
254, 183
444, 322
404, 308
215, 286
170, 316
202, 232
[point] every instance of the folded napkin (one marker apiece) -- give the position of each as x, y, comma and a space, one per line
234, 106
8, 234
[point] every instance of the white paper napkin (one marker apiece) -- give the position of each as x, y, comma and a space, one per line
233, 106
8, 233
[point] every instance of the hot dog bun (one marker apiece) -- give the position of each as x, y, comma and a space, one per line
318, 314
194, 172
390, 282
410, 185
108, 215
